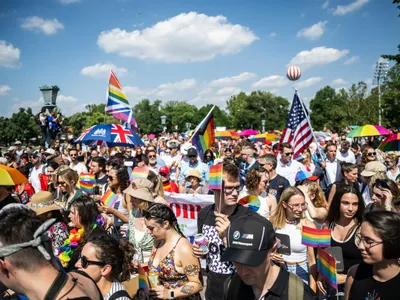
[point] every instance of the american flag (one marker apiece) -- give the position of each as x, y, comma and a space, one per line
298, 131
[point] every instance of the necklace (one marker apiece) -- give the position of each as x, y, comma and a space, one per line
291, 222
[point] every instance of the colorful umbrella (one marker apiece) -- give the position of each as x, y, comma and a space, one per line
223, 135
112, 134
248, 132
391, 143
262, 137
368, 130
250, 201
10, 176
151, 136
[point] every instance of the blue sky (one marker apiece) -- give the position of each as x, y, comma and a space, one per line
197, 51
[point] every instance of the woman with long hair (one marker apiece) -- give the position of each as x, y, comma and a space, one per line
208, 157
257, 180
384, 192
178, 270
108, 262
378, 276
66, 181
344, 219
86, 223
289, 219
317, 207
157, 188
138, 152
350, 176
368, 154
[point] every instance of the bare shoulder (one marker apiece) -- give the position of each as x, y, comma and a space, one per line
308, 223
184, 247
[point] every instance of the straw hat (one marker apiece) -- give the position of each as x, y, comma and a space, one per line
141, 189
194, 173
372, 168
43, 202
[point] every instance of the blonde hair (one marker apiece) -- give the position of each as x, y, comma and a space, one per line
158, 188
278, 219
70, 177
319, 200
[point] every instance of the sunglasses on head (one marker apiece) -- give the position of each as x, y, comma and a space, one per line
86, 262
381, 183
371, 153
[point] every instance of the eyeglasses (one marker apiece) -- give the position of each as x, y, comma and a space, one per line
61, 182
371, 154
191, 156
208, 156
73, 155
152, 156
110, 178
367, 242
302, 206
229, 189
85, 262
288, 153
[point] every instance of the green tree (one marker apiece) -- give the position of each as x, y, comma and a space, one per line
391, 98
179, 113
395, 57
221, 117
148, 116
247, 111
22, 126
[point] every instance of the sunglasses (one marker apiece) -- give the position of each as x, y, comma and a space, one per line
86, 262
61, 182
371, 154
209, 156
191, 156
110, 178
288, 153
72, 155
152, 156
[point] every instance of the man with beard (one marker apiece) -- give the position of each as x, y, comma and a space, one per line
193, 163
287, 167
98, 168
75, 163
153, 163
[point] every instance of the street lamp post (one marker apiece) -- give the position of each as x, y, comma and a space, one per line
263, 125
381, 68
163, 119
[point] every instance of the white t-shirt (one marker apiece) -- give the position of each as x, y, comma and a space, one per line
79, 168
346, 157
34, 178
289, 170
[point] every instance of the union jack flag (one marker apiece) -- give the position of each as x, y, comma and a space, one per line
84, 133
298, 130
121, 134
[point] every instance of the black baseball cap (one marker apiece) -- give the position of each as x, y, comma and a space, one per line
192, 152
249, 239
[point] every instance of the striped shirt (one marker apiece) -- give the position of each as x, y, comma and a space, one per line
116, 287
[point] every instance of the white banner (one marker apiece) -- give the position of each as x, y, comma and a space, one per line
186, 208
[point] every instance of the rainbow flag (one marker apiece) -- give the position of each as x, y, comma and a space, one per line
86, 183
139, 172
316, 237
250, 201
326, 266
204, 134
109, 198
143, 282
117, 103
215, 181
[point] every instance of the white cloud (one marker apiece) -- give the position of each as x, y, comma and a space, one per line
308, 82
234, 80
314, 32
9, 55
273, 34
228, 91
368, 81
274, 81
342, 10
339, 81
102, 70
68, 1
179, 85
352, 60
48, 27
317, 56
5, 90
188, 37
325, 5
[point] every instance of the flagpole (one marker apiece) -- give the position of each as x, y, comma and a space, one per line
308, 120
197, 129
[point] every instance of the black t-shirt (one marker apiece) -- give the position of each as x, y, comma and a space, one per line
218, 271
99, 183
7, 200
366, 287
277, 185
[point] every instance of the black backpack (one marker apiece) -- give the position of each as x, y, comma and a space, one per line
119, 294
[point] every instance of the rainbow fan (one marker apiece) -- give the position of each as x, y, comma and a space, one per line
250, 201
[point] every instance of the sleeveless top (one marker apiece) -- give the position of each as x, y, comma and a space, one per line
169, 277
365, 287
351, 253
298, 250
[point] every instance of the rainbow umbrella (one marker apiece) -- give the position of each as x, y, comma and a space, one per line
368, 130
262, 137
10, 176
391, 143
248, 132
226, 134
250, 201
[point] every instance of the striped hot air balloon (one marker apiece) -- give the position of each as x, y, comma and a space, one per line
293, 73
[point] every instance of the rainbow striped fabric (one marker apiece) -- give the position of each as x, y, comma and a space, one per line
109, 198
250, 201
86, 183
143, 282
139, 172
316, 237
204, 134
215, 181
326, 266
117, 103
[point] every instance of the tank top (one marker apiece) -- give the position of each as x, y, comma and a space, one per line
365, 287
298, 250
351, 254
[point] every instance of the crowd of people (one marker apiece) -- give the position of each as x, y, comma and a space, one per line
58, 242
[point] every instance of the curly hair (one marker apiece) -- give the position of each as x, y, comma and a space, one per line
364, 157
253, 178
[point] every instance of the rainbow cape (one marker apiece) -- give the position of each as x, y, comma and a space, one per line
215, 181
117, 103
204, 134
109, 198
143, 282
250, 201
139, 172
86, 183
326, 266
316, 237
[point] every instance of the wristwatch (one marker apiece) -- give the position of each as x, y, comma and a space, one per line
171, 294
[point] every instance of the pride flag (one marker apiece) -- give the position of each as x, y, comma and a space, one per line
117, 103
143, 282
316, 237
109, 198
326, 266
215, 181
86, 183
204, 134
139, 172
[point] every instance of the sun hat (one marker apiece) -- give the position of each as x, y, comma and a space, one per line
43, 202
194, 173
141, 189
372, 168
50, 151
173, 144
18, 143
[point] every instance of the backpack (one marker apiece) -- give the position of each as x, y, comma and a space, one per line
119, 294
